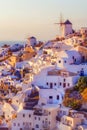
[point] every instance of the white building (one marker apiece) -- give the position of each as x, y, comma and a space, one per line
41, 118
51, 96
71, 121
32, 41
66, 28
53, 83
68, 57
52, 78
32, 116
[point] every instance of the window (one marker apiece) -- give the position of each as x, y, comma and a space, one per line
59, 61
64, 80
65, 61
51, 85
75, 60
60, 83
23, 123
29, 115
64, 85
57, 97
73, 57
43, 121
49, 113
23, 115
55, 84
47, 83
50, 97
49, 122
68, 84
37, 126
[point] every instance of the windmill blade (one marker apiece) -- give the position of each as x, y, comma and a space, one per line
60, 23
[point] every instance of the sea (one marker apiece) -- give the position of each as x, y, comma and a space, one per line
11, 42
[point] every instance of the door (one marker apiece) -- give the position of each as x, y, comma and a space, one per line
64, 85
51, 85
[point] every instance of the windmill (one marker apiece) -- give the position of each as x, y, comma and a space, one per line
61, 23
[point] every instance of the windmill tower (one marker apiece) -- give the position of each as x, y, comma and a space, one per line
65, 27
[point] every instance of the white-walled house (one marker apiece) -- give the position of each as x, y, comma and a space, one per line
68, 57
71, 121
32, 41
61, 79
48, 120
53, 78
34, 116
51, 96
53, 83
39, 118
24, 120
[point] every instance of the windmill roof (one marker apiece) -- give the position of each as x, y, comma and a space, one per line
67, 22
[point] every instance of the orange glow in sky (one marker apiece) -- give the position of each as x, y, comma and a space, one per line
22, 18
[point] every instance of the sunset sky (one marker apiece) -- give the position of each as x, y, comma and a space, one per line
22, 18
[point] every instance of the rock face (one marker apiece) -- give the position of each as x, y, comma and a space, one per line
31, 98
